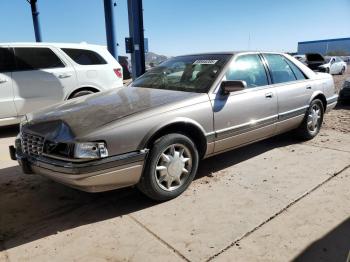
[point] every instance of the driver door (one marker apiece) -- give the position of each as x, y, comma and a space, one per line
247, 115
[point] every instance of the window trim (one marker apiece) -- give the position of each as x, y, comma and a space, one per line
16, 67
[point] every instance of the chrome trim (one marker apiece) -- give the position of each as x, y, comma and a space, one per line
242, 128
292, 113
332, 99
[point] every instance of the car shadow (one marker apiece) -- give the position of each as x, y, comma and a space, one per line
33, 207
334, 246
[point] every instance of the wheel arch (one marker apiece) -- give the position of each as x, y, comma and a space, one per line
322, 97
89, 88
184, 126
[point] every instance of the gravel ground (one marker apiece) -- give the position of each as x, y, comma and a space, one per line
339, 118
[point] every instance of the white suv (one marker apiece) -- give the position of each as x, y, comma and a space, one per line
36, 75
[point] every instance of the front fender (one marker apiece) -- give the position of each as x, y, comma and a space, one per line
163, 125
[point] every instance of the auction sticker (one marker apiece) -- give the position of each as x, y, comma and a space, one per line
205, 62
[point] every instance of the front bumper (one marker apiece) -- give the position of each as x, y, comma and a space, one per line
92, 176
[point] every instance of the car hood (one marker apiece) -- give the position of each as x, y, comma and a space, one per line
85, 114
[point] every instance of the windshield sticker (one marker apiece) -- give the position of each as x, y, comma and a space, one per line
205, 62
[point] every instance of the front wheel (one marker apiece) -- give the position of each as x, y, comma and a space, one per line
342, 71
170, 167
312, 122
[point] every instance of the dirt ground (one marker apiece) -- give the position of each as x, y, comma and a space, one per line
276, 200
339, 118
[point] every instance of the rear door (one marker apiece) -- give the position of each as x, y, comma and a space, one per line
293, 88
41, 78
7, 105
248, 115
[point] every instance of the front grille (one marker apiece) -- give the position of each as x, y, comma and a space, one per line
32, 144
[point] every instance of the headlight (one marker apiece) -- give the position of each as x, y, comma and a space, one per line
90, 150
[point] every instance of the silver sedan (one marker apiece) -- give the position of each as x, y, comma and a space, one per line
154, 132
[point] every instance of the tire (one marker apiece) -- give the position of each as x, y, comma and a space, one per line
82, 93
312, 122
327, 70
164, 176
342, 71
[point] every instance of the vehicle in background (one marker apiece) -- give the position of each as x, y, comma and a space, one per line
36, 75
153, 133
314, 61
333, 65
344, 94
318, 63
124, 62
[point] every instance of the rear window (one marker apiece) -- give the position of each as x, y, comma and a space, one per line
31, 58
280, 70
84, 57
6, 60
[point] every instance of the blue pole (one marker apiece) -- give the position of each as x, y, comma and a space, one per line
110, 29
135, 13
35, 15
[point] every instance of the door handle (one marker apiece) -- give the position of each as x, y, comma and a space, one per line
3, 81
64, 75
308, 87
269, 95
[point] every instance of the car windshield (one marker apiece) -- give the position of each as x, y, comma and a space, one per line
195, 73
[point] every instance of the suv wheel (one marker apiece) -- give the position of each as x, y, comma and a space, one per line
170, 168
312, 121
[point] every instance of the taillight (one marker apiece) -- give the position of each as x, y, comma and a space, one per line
118, 72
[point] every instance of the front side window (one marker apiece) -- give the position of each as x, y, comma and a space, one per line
193, 73
6, 60
84, 57
32, 58
279, 68
248, 68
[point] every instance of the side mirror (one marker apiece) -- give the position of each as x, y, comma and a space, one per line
232, 86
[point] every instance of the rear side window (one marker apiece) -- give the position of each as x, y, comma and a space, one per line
84, 57
31, 58
297, 72
6, 60
279, 68
248, 68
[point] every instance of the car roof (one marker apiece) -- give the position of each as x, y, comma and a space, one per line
59, 45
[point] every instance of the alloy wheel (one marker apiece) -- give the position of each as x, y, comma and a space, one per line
173, 167
314, 118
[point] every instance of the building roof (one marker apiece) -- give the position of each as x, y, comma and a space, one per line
325, 40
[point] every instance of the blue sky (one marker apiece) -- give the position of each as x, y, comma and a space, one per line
185, 26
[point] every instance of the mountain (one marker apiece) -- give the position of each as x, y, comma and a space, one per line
154, 58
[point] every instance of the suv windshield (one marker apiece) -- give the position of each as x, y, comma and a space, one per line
195, 73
